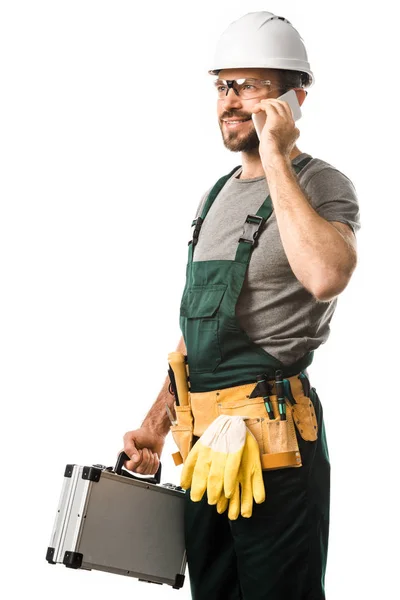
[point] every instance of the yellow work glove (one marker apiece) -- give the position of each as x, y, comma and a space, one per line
249, 482
213, 462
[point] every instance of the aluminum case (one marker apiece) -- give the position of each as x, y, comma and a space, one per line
114, 522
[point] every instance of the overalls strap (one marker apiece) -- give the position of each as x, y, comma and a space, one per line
254, 223
197, 223
215, 191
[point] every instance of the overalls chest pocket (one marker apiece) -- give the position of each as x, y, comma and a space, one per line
201, 321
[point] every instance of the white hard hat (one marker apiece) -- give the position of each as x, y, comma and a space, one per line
261, 40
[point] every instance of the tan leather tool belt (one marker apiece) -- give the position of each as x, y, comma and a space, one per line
276, 438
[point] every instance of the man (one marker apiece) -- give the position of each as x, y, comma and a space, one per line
251, 309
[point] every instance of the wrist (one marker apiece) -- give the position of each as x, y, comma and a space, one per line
158, 430
275, 161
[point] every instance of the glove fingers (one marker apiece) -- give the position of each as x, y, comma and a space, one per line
237, 442
197, 465
201, 446
222, 504
231, 472
251, 476
257, 481
258, 485
188, 467
216, 477
246, 507
234, 504
200, 475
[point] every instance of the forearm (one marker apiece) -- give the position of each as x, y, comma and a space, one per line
157, 419
319, 256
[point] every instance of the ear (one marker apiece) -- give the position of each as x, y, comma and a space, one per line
301, 94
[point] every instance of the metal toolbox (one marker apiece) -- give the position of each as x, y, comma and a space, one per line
111, 521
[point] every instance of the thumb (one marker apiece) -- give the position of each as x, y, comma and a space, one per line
134, 455
133, 452
134, 462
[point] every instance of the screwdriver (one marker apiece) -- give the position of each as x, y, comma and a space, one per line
265, 391
280, 394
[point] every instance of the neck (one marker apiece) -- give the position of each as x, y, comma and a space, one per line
252, 166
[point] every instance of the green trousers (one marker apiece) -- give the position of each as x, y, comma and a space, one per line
277, 554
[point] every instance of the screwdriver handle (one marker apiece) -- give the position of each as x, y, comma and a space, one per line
280, 394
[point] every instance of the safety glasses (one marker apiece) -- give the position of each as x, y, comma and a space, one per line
246, 88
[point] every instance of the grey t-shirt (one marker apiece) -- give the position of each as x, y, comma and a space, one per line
274, 308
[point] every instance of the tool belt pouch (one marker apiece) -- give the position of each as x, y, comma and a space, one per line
304, 416
276, 438
182, 433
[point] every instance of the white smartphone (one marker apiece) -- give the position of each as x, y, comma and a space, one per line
289, 97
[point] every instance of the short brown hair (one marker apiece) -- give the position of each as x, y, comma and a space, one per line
293, 79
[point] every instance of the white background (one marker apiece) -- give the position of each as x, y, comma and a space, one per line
108, 139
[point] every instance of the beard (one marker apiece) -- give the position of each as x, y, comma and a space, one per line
236, 141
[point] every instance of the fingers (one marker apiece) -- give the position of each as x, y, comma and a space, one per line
144, 448
148, 462
283, 108
144, 462
156, 463
274, 108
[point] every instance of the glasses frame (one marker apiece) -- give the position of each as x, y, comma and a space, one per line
229, 84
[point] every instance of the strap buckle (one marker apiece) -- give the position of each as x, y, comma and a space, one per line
251, 229
197, 223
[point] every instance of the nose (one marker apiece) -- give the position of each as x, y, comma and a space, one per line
230, 100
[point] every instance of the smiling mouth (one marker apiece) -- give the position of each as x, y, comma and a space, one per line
233, 124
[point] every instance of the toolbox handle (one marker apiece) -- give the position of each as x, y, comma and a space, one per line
122, 457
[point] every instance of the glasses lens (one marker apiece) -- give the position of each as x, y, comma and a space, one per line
245, 88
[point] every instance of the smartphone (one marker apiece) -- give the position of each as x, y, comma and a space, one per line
291, 98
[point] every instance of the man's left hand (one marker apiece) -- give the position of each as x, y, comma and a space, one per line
279, 133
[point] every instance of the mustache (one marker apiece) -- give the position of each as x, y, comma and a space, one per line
228, 115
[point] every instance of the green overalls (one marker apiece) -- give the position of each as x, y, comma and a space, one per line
280, 552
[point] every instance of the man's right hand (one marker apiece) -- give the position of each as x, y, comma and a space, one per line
144, 447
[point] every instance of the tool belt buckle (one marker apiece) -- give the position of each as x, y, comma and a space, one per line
251, 229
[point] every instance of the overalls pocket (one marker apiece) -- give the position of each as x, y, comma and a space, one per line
183, 432
200, 306
276, 438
